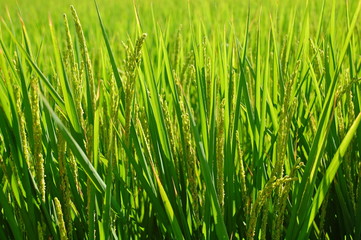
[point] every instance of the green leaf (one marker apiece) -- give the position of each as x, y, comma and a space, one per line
328, 178
77, 150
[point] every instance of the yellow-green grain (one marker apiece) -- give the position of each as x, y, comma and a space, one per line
61, 223
37, 153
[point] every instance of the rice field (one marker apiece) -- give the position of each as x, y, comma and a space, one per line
180, 119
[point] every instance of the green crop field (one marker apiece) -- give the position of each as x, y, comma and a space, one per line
187, 119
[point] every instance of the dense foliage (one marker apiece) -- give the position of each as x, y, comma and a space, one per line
180, 120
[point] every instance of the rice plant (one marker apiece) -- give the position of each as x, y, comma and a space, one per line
180, 120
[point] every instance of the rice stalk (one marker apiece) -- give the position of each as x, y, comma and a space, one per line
61, 223
38, 156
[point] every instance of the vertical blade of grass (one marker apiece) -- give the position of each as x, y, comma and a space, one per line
111, 55
216, 210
